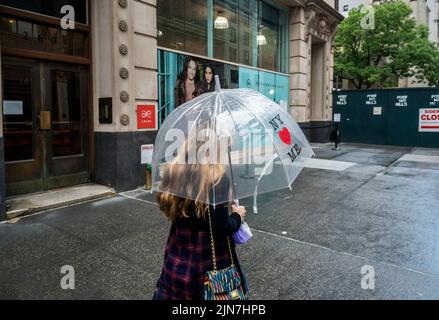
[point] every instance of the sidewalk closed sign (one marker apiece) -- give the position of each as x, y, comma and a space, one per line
429, 120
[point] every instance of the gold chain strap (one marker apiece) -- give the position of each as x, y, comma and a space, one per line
213, 243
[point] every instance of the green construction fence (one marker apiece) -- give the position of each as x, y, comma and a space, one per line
401, 117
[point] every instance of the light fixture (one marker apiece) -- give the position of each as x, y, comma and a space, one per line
221, 22
261, 40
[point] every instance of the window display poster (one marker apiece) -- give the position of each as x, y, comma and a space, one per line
196, 76
182, 78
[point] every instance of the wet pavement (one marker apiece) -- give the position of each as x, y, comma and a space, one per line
381, 211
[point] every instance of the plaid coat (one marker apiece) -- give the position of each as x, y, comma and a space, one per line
188, 254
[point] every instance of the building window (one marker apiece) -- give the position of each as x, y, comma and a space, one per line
224, 38
250, 32
345, 8
20, 34
268, 37
182, 25
51, 7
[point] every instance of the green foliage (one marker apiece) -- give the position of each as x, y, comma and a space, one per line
392, 47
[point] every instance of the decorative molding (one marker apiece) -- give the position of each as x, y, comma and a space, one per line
124, 96
123, 3
320, 26
124, 73
123, 49
124, 119
123, 26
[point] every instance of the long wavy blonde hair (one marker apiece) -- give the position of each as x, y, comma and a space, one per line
195, 179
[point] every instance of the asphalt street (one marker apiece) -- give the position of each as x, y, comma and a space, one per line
373, 206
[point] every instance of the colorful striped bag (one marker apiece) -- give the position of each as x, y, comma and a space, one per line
224, 284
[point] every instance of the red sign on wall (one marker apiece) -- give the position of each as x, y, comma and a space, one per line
146, 117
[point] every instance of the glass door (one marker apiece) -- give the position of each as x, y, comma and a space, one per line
22, 138
65, 101
45, 125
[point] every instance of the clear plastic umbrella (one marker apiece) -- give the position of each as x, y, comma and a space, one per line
235, 135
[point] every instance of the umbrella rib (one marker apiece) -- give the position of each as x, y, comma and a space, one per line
272, 140
192, 108
230, 148
198, 117
214, 151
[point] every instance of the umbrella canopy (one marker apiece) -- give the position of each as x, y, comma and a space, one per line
236, 142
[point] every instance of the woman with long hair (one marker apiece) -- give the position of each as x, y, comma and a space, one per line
187, 86
209, 82
188, 254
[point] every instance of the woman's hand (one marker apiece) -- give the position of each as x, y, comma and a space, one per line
239, 210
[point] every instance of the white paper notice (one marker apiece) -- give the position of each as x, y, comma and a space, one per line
146, 153
377, 111
11, 107
337, 117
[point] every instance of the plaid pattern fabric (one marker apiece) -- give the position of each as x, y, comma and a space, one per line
188, 257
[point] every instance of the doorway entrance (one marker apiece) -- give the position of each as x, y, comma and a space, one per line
45, 125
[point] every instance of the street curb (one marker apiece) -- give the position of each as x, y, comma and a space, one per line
25, 212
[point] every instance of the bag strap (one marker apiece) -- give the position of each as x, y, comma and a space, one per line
213, 243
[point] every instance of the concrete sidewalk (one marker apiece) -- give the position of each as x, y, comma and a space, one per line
380, 208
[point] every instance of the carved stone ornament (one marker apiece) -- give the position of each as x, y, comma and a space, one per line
124, 96
123, 49
123, 3
123, 26
124, 73
124, 119
321, 25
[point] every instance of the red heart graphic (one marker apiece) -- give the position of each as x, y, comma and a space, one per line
285, 136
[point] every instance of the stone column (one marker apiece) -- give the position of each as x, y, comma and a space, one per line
329, 81
124, 69
298, 65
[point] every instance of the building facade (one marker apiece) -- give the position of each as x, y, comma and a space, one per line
80, 101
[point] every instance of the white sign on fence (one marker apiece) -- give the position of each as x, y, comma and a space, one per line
377, 111
429, 120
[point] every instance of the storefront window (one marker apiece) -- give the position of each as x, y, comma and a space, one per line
248, 32
179, 73
225, 37
182, 25
268, 37
248, 21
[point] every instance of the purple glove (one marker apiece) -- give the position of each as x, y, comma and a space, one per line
243, 235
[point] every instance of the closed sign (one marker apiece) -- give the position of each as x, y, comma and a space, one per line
429, 120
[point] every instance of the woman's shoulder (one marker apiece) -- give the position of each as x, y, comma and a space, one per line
192, 220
